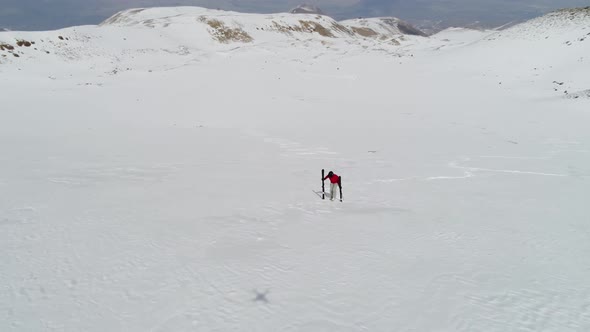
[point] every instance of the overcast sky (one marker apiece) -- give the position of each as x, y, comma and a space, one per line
52, 14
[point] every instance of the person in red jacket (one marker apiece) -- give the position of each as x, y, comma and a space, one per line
334, 184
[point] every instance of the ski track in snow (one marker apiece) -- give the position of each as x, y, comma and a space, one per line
94, 176
470, 172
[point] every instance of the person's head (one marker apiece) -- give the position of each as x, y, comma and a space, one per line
330, 173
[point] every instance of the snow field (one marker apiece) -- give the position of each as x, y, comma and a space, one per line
177, 195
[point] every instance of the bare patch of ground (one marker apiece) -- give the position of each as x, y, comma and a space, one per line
575, 11
224, 34
312, 26
24, 43
341, 28
4, 46
365, 32
306, 26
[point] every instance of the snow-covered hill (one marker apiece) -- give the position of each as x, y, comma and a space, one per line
161, 172
230, 26
560, 24
164, 30
548, 53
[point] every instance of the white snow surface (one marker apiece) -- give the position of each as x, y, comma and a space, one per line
153, 178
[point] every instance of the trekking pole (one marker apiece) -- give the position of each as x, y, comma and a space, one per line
340, 186
323, 189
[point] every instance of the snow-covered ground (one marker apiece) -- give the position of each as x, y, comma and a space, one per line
155, 178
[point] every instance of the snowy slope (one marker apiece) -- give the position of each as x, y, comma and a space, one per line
156, 178
548, 53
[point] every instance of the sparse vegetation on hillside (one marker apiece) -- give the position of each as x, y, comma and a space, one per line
4, 46
312, 26
339, 27
575, 11
18, 49
225, 34
572, 13
282, 28
24, 43
365, 32
309, 27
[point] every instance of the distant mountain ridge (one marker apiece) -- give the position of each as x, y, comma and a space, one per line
307, 9
186, 30
383, 27
229, 27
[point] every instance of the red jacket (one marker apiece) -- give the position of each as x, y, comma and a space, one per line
333, 179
